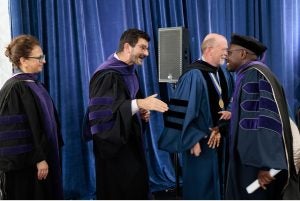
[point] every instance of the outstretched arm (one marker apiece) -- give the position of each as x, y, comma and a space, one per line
152, 103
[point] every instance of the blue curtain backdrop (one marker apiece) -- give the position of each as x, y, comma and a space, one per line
78, 35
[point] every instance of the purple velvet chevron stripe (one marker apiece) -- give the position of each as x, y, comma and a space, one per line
8, 135
254, 105
251, 106
98, 128
269, 123
100, 114
265, 85
262, 122
251, 87
238, 84
5, 151
101, 101
249, 124
13, 119
268, 104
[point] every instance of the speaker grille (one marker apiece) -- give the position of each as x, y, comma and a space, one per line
173, 53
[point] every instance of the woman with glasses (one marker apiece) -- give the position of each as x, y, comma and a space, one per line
29, 131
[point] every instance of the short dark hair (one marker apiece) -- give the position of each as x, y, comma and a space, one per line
132, 36
20, 46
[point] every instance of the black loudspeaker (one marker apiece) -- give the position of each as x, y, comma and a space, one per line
173, 53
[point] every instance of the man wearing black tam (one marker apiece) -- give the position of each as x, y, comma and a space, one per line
261, 137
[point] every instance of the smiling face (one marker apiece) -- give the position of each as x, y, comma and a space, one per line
235, 57
219, 52
214, 48
139, 52
34, 62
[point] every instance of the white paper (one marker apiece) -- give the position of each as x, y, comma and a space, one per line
255, 185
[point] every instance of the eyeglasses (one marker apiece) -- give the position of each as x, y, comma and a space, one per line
143, 47
41, 58
230, 51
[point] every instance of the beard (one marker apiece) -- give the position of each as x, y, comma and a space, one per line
222, 61
137, 59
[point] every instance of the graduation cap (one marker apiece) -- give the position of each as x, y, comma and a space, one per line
249, 43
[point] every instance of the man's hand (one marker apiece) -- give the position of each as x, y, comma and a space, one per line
215, 137
196, 150
145, 114
264, 178
152, 103
226, 115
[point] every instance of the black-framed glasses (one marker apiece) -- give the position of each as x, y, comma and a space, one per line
230, 51
143, 47
41, 58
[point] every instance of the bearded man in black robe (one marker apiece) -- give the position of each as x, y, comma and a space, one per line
114, 120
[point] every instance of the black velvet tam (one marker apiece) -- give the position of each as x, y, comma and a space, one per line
249, 43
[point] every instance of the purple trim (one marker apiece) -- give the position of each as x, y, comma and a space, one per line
269, 123
268, 104
49, 123
250, 105
251, 87
20, 149
101, 101
265, 85
240, 73
13, 119
249, 124
8, 135
262, 122
98, 128
100, 114
127, 72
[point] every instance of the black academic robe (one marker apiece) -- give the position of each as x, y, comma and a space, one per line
260, 137
121, 171
24, 143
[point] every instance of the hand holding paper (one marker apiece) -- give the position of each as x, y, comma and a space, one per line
255, 185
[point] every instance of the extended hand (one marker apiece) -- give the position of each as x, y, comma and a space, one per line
152, 103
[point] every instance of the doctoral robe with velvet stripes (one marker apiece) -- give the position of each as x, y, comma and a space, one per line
260, 137
29, 133
121, 170
193, 110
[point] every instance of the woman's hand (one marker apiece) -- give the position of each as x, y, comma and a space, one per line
42, 168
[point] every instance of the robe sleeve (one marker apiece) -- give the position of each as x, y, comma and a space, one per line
22, 101
260, 141
188, 119
109, 113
